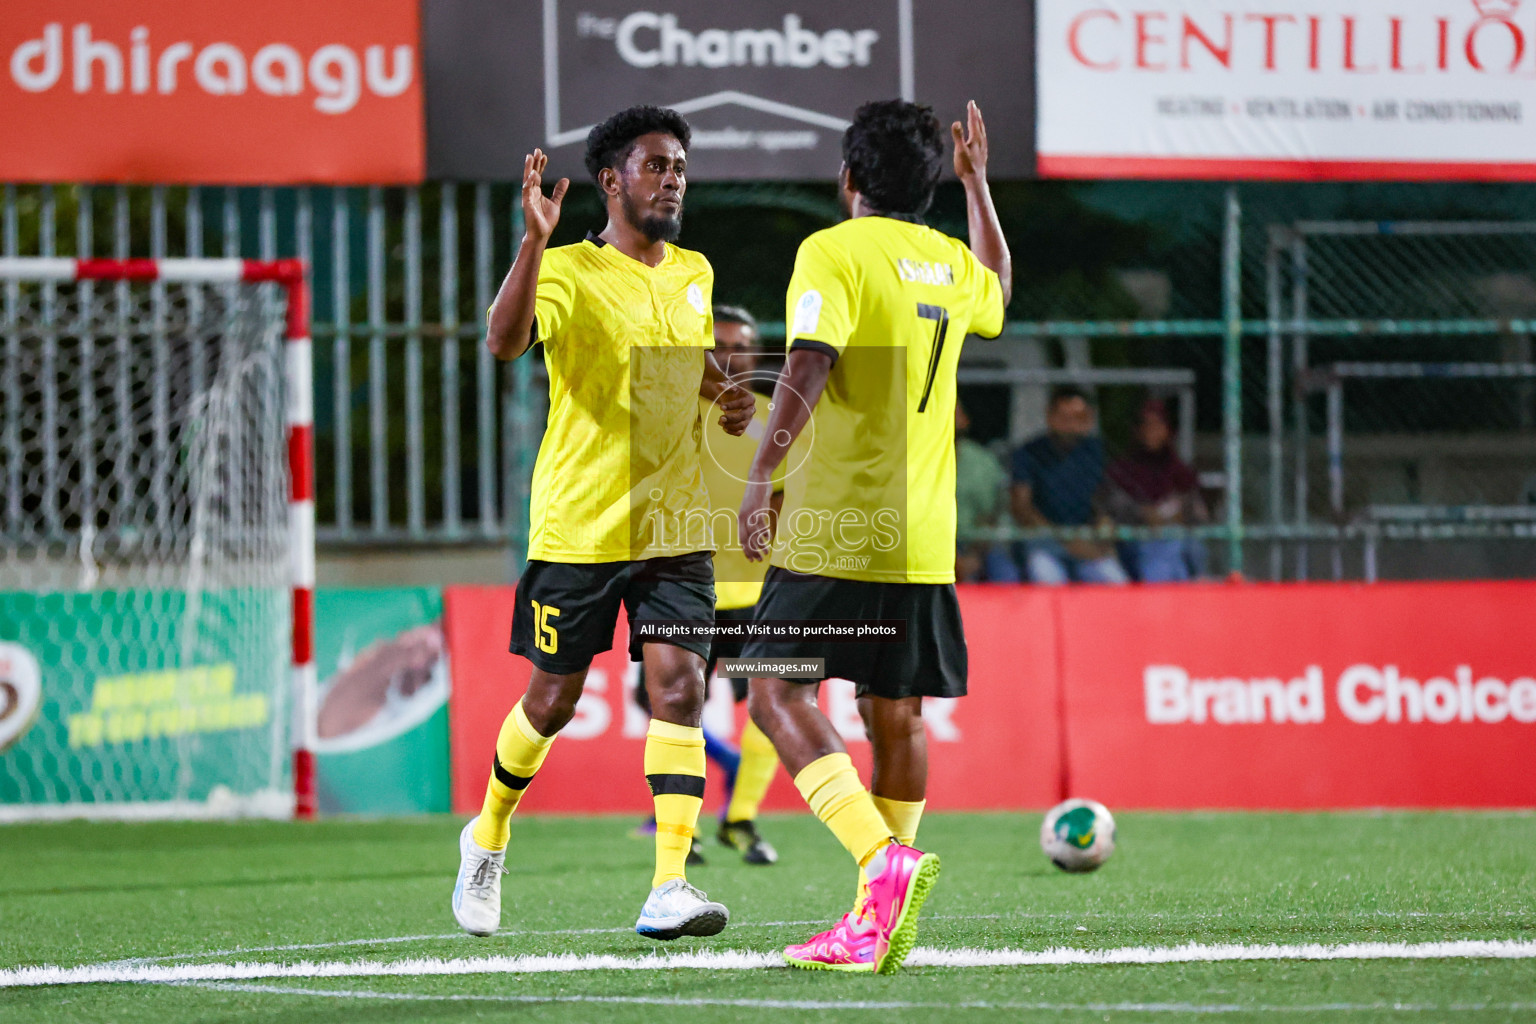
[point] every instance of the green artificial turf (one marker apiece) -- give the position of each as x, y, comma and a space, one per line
78, 893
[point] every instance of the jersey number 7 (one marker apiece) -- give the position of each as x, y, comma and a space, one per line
940, 317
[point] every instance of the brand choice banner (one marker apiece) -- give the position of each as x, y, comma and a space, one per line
767, 85
1302, 696
1351, 89
283, 91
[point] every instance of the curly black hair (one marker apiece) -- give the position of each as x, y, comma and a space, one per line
609, 143
895, 151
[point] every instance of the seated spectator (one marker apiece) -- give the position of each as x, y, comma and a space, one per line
1151, 486
979, 484
1057, 478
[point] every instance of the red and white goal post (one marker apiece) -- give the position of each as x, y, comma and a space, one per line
156, 598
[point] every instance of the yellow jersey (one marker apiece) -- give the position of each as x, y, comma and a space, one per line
727, 461
617, 476
872, 497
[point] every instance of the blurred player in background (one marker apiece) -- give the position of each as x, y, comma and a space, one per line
624, 318
878, 307
738, 582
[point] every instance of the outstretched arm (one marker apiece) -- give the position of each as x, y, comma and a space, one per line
798, 391
510, 330
987, 240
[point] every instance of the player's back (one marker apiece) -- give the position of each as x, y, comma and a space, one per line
892, 300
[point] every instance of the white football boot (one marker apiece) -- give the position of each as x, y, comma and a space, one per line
675, 909
477, 893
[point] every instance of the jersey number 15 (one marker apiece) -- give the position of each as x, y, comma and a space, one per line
545, 637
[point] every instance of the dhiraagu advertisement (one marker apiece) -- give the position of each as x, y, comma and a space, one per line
383, 721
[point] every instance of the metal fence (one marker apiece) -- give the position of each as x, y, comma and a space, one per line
1349, 391
1406, 411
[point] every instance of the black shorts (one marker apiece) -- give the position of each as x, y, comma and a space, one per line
720, 649
566, 612
931, 662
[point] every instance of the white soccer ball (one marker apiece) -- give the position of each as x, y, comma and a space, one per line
1078, 835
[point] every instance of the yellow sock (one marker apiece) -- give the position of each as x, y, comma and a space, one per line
674, 766
831, 786
758, 763
520, 750
902, 816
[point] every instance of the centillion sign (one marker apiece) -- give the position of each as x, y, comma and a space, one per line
1414, 42
1417, 90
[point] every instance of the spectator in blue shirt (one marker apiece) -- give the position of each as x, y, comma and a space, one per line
1057, 479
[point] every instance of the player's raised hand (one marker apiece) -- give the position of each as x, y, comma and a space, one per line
970, 144
540, 212
737, 407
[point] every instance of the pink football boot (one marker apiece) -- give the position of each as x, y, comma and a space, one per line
848, 946
900, 879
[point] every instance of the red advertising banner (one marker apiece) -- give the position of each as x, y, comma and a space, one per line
1302, 696
211, 91
997, 748
1189, 696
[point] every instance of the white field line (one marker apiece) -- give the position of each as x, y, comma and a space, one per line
828, 1004
290, 948
396, 939
1195, 952
731, 960
1088, 916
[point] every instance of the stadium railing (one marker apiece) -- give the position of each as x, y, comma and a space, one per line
422, 439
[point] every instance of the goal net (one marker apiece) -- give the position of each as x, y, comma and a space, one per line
147, 541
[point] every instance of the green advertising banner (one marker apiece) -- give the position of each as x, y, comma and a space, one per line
122, 699
384, 683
